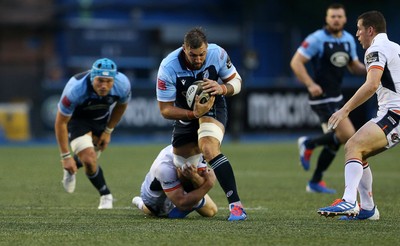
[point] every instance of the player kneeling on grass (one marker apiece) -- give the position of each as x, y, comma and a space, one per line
174, 191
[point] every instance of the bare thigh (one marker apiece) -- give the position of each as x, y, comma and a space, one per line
345, 130
369, 139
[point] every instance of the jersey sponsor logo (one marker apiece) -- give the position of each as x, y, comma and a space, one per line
161, 85
340, 59
183, 81
228, 62
305, 44
66, 102
372, 57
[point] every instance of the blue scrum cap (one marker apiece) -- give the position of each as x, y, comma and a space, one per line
103, 67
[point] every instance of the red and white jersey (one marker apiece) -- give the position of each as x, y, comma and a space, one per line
384, 54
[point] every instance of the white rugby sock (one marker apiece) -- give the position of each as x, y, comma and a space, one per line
353, 172
365, 189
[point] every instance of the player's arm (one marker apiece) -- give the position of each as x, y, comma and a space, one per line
357, 67
300, 71
169, 111
116, 115
186, 201
61, 131
231, 86
209, 209
365, 92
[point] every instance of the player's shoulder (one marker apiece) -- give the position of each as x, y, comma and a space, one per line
318, 34
347, 36
215, 49
216, 53
122, 80
172, 58
77, 84
164, 170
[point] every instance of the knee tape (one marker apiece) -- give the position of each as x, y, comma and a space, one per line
210, 130
81, 143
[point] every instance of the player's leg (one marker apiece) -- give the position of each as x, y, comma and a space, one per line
137, 201
209, 209
368, 210
368, 139
331, 142
83, 147
211, 133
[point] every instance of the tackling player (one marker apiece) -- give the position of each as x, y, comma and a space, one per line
174, 192
91, 105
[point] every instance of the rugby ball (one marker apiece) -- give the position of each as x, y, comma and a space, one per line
196, 89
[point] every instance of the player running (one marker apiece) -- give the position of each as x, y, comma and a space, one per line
91, 105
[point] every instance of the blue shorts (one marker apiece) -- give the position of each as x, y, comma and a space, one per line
186, 131
325, 110
79, 127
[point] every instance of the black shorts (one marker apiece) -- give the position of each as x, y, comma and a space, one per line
325, 110
79, 127
186, 131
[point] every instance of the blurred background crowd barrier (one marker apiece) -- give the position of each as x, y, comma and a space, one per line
44, 42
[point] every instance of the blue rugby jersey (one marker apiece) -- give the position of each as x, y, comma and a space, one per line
329, 56
79, 100
174, 78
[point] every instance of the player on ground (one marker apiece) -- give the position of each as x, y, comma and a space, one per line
331, 49
91, 105
174, 192
382, 59
200, 130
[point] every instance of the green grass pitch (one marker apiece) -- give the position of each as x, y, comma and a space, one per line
35, 210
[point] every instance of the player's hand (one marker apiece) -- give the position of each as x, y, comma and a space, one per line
336, 118
201, 109
188, 171
212, 87
69, 165
209, 176
103, 141
315, 90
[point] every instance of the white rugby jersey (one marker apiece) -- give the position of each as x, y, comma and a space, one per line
164, 171
384, 54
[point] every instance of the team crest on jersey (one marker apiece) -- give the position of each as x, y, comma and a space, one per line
206, 74
395, 138
110, 100
372, 57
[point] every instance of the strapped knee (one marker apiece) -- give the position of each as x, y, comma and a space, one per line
210, 130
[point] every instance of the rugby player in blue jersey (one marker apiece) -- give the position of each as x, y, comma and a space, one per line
331, 50
91, 105
200, 130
